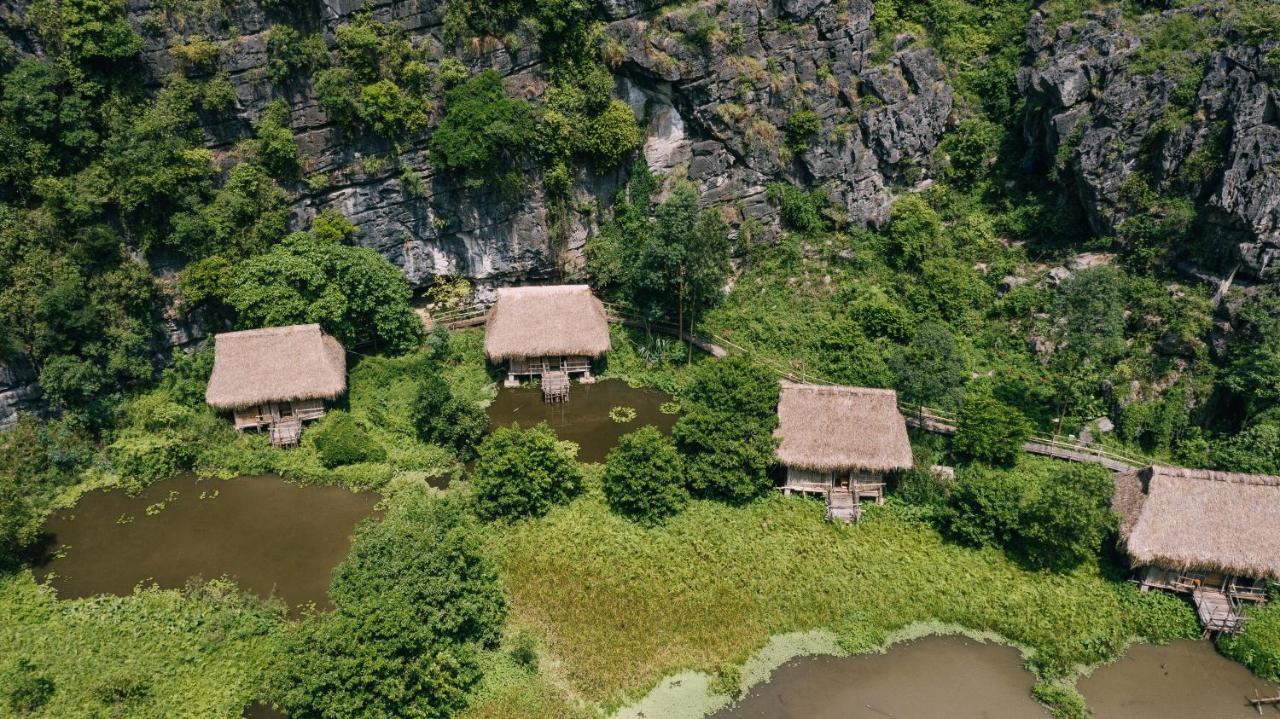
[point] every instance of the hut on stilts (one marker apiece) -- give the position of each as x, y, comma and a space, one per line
276, 378
1214, 536
548, 333
840, 442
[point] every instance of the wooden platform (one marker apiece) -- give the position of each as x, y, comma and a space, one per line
1218, 614
842, 506
555, 387
286, 432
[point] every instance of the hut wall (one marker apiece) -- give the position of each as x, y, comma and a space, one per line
269, 413
537, 366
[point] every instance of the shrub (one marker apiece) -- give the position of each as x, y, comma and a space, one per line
800, 210
28, 689
340, 440
446, 420
802, 129
413, 602
726, 434
16, 517
914, 232
985, 507
1258, 646
611, 136
523, 473
482, 126
988, 430
1068, 518
141, 458
644, 477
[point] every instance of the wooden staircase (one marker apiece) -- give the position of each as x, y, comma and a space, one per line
555, 387
1218, 613
286, 432
842, 506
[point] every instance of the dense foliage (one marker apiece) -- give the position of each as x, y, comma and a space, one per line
988, 430
644, 477
339, 439
1051, 515
445, 418
413, 603
726, 431
523, 473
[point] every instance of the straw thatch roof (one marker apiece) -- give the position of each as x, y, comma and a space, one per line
275, 364
1199, 520
831, 429
546, 321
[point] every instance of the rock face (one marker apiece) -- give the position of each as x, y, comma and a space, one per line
18, 390
715, 112
1214, 138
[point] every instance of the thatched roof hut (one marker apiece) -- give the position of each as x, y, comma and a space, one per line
556, 321
275, 364
838, 429
1200, 520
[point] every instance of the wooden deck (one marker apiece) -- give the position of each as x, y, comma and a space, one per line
842, 506
555, 387
1218, 614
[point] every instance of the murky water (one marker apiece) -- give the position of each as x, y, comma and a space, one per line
1180, 680
952, 677
585, 417
272, 537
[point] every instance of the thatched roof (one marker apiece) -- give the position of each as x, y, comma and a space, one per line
551, 321
1193, 519
275, 364
828, 429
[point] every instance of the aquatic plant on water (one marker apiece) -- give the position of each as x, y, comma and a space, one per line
622, 415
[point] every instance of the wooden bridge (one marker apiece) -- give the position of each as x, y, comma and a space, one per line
924, 418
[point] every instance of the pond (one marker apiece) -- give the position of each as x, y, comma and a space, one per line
1180, 680
272, 537
953, 677
584, 419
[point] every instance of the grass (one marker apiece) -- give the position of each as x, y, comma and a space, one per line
619, 606
155, 653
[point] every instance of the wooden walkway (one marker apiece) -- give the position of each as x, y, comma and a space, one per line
1218, 614
1044, 445
555, 387
842, 506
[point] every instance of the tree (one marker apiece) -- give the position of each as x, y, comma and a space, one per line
644, 477
413, 603
930, 366
353, 292
985, 507
726, 433
1068, 518
989, 430
914, 232
446, 420
483, 128
848, 357
340, 440
523, 473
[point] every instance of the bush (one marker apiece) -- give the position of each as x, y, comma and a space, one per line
141, 458
446, 420
1258, 646
988, 430
1052, 515
802, 129
340, 440
914, 232
800, 210
523, 473
726, 433
644, 477
481, 127
413, 603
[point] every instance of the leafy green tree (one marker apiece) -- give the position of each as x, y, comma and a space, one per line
801, 211
273, 146
726, 433
246, 216
914, 232
413, 603
523, 473
846, 356
340, 439
447, 420
930, 367
988, 430
1254, 449
353, 292
1067, 520
985, 507
483, 128
88, 29
644, 477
